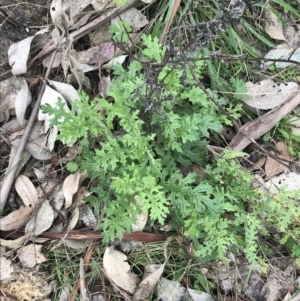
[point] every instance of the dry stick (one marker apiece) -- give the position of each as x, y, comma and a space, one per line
83, 291
86, 261
168, 25
77, 34
11, 171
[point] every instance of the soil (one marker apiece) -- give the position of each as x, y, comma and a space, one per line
19, 20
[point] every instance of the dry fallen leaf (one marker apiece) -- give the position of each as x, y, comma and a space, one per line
267, 94
14, 244
283, 52
9, 89
6, 268
167, 290
73, 220
31, 255
22, 101
66, 90
146, 287
116, 60
258, 127
18, 53
15, 219
118, 270
290, 180
141, 219
26, 191
273, 26
50, 97
274, 167
71, 186
199, 296
42, 220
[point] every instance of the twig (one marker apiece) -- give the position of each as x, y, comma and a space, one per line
11, 171
169, 23
86, 261
83, 291
89, 234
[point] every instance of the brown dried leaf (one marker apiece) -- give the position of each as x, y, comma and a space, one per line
42, 221
274, 167
15, 219
14, 244
257, 165
117, 268
258, 127
73, 220
78, 198
273, 26
87, 217
26, 191
104, 85
36, 142
148, 284
6, 268
267, 94
71, 186
9, 89
104, 54
45, 188
31, 255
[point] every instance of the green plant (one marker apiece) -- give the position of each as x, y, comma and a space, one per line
121, 2
156, 120
120, 31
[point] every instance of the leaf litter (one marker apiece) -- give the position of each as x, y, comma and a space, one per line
38, 215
